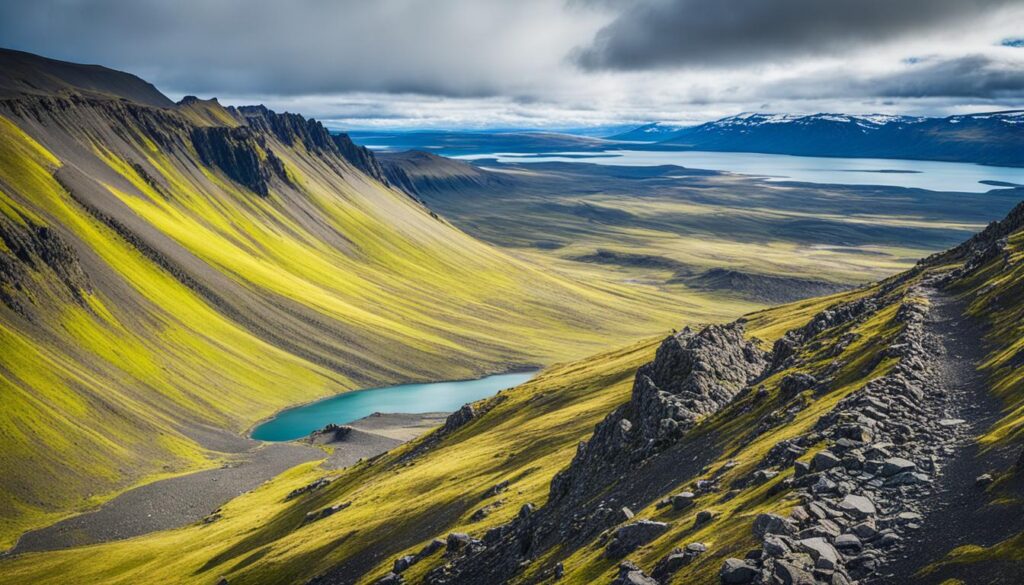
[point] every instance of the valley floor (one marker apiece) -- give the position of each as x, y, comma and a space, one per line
196, 497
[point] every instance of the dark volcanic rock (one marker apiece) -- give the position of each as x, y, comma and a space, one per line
241, 153
630, 574
692, 375
631, 536
330, 434
28, 247
737, 572
459, 418
677, 559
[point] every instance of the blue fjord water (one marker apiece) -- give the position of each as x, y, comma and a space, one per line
919, 174
406, 398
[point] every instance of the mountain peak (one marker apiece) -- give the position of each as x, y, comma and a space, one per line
27, 74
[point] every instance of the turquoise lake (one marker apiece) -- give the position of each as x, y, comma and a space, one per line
298, 422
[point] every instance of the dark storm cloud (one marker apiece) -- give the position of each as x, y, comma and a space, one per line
442, 47
653, 34
970, 76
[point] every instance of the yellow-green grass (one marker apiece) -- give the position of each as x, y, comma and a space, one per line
102, 392
525, 438
530, 433
729, 533
995, 294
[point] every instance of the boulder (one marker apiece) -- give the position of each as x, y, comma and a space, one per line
457, 541
630, 574
682, 500
737, 572
823, 553
431, 547
766, 524
631, 536
908, 478
703, 517
458, 419
896, 465
824, 460
848, 542
857, 506
793, 572
403, 563
775, 546
677, 559
794, 384
983, 480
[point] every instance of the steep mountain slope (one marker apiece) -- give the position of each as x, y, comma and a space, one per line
172, 273
831, 440
990, 138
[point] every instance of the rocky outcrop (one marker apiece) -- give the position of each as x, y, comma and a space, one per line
331, 433
29, 248
361, 157
292, 129
241, 153
988, 244
693, 375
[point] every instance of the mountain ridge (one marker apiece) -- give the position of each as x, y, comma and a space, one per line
987, 138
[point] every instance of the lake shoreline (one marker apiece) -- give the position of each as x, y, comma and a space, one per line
513, 369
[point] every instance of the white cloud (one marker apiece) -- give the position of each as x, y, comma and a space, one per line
509, 63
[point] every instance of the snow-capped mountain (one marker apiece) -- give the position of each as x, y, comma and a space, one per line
995, 138
653, 132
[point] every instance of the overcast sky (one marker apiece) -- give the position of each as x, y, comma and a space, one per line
546, 63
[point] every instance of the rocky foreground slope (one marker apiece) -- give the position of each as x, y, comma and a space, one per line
874, 436
857, 448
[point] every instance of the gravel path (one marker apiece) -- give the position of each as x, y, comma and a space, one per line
170, 503
959, 512
182, 500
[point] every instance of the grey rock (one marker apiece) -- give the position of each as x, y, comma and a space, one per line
775, 546
865, 530
403, 563
737, 572
457, 541
847, 542
431, 547
792, 572
857, 506
630, 574
908, 478
824, 460
771, 524
703, 517
677, 559
823, 553
631, 536
682, 500
897, 465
